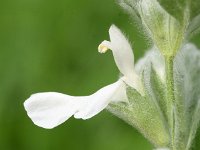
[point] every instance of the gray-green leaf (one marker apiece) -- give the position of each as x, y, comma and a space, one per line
180, 8
165, 31
142, 113
148, 112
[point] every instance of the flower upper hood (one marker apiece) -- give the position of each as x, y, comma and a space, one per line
50, 109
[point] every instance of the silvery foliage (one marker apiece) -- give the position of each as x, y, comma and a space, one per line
148, 113
169, 24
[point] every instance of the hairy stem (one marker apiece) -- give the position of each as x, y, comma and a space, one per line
169, 65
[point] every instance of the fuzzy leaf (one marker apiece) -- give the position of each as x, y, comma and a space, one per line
148, 112
196, 143
131, 7
165, 31
143, 114
180, 8
159, 91
184, 11
180, 103
174, 7
194, 27
194, 8
188, 64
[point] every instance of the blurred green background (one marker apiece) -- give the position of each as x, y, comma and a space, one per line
48, 45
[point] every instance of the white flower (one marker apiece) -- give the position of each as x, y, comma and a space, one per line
50, 109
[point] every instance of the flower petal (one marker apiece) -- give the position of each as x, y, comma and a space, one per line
50, 109
123, 56
99, 100
122, 51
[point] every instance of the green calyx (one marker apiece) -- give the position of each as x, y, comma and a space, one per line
168, 23
164, 30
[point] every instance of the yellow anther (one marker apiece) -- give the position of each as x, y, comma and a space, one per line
102, 48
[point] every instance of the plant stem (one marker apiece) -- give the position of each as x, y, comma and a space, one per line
169, 65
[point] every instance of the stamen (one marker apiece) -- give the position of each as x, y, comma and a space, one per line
102, 48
